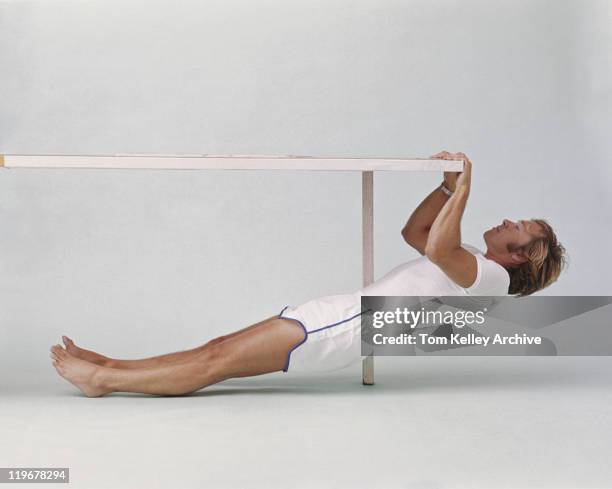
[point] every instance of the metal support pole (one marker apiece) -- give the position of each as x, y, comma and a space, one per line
367, 224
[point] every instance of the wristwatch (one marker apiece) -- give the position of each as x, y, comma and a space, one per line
445, 190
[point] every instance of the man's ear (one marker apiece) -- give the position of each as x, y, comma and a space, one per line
518, 257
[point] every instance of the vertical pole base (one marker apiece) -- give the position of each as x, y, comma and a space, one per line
368, 371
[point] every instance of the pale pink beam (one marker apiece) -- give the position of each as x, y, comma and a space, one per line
227, 162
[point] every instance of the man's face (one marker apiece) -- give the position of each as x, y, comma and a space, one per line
518, 233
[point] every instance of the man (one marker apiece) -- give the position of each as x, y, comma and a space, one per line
324, 334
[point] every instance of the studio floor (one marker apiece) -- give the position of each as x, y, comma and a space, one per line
428, 423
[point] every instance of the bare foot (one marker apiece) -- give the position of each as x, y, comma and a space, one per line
82, 374
83, 354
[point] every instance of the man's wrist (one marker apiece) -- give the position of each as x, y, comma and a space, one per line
446, 190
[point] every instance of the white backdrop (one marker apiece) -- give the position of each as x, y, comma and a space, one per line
138, 262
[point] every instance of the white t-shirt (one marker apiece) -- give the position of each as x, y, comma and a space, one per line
421, 277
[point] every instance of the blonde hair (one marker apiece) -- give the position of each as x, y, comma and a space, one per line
546, 258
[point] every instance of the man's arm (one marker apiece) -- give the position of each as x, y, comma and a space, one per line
416, 230
444, 242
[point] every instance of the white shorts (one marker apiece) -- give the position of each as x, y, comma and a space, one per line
333, 333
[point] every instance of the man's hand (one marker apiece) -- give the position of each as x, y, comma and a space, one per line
464, 180
453, 179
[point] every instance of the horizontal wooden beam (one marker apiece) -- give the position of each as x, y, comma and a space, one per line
227, 162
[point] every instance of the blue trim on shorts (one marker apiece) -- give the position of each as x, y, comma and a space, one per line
286, 368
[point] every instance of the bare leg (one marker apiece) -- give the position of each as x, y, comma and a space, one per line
98, 359
258, 350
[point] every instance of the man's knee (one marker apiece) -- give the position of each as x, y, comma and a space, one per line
212, 343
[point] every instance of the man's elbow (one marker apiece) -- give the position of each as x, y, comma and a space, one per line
418, 242
412, 235
406, 235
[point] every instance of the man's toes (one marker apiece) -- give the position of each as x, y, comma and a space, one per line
59, 366
60, 352
67, 341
